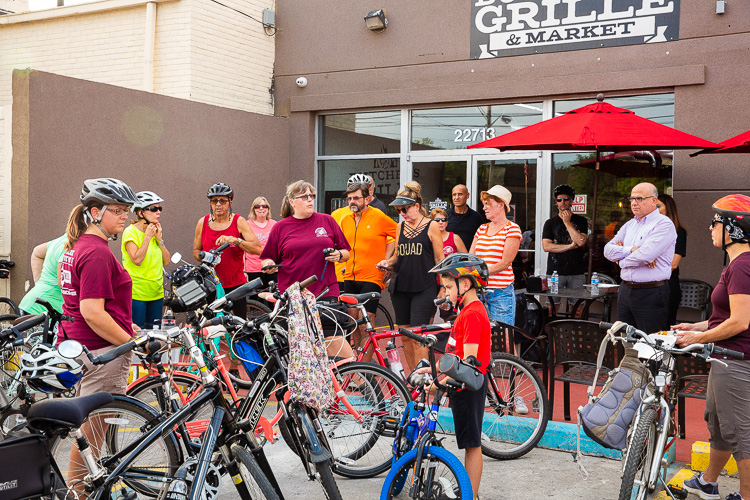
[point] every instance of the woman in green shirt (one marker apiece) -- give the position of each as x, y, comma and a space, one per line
143, 256
46, 286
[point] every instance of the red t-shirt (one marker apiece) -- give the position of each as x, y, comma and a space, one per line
735, 280
231, 269
91, 271
298, 244
472, 326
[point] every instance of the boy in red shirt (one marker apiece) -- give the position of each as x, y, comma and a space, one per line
462, 274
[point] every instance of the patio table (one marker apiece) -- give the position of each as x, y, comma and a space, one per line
579, 295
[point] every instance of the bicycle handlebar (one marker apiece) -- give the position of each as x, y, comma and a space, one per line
17, 331
722, 351
425, 340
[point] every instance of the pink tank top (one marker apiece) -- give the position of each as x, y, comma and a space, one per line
449, 245
230, 269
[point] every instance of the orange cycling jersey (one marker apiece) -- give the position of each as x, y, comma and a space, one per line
368, 240
337, 215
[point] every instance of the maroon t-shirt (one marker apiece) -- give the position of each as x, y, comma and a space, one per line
735, 280
472, 326
298, 244
91, 271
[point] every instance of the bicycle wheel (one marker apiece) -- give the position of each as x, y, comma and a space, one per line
256, 309
639, 458
254, 481
302, 426
7, 306
151, 391
388, 318
6, 320
440, 475
517, 410
110, 429
364, 448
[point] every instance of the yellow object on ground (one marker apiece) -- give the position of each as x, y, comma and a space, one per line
699, 458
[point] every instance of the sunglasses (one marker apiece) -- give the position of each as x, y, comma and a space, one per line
118, 211
306, 197
220, 202
403, 210
562, 199
638, 199
154, 209
261, 206
440, 219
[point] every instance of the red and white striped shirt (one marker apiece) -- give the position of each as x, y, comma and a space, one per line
490, 247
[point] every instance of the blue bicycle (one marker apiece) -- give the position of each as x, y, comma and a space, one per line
423, 469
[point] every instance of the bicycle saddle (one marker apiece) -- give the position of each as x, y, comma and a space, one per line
351, 298
65, 412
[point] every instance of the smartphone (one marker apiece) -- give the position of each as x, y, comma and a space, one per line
265, 268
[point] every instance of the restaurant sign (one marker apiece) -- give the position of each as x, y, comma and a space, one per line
502, 28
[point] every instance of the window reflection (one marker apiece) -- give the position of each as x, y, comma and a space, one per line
333, 174
360, 133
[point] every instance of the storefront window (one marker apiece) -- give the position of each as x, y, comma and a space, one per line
360, 133
618, 173
333, 174
456, 128
519, 177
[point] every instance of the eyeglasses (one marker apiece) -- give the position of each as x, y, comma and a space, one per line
306, 197
118, 211
154, 209
261, 206
220, 201
403, 210
638, 199
562, 199
440, 219
354, 198
714, 222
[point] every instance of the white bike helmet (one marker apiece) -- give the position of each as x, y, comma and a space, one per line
47, 371
146, 199
107, 191
359, 178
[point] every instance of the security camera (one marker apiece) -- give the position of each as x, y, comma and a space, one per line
301, 82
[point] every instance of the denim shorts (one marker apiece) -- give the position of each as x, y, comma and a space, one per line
501, 304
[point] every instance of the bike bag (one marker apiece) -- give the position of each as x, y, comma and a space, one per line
459, 370
247, 352
25, 469
608, 416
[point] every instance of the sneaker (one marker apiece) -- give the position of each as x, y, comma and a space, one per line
521, 407
708, 491
734, 496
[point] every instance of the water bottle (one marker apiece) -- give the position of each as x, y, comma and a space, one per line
121, 491
555, 282
394, 361
178, 490
594, 284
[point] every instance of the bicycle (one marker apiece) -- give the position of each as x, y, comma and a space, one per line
509, 430
422, 468
653, 429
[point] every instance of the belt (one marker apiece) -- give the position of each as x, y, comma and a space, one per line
647, 284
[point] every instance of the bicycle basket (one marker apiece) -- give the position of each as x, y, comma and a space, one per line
25, 466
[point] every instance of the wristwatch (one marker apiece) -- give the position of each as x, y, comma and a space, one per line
239, 241
160, 243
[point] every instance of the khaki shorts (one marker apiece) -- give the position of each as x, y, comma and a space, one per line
111, 377
728, 407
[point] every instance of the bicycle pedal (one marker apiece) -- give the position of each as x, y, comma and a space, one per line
677, 492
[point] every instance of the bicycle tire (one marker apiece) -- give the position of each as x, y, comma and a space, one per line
151, 392
255, 309
325, 476
380, 398
125, 419
323, 468
507, 434
434, 460
640, 454
6, 320
388, 316
7, 306
254, 480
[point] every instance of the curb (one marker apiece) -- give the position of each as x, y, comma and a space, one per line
699, 459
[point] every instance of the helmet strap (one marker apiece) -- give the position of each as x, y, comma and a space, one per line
211, 212
97, 221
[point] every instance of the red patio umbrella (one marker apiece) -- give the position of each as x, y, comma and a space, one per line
600, 127
737, 144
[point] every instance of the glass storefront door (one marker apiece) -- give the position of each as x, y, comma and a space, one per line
519, 176
438, 178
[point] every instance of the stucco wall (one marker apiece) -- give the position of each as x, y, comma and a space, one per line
67, 130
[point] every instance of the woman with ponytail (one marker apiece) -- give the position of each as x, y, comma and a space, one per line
96, 289
419, 247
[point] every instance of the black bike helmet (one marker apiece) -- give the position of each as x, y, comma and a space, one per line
564, 189
220, 189
464, 265
107, 191
734, 212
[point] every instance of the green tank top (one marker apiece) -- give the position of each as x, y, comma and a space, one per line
47, 288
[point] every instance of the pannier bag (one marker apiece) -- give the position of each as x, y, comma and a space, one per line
607, 418
24, 467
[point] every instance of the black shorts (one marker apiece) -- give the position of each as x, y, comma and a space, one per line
414, 308
357, 287
334, 318
468, 411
